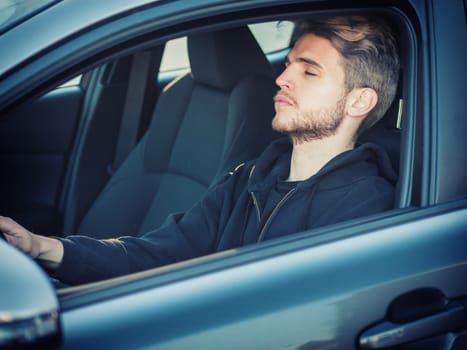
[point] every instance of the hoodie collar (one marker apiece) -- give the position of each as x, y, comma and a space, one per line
365, 160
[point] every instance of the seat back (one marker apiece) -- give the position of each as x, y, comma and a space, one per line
205, 123
387, 134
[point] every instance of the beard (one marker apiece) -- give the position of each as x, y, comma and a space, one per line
311, 125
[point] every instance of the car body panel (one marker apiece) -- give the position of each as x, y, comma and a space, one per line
448, 108
27, 314
31, 274
286, 299
314, 290
59, 29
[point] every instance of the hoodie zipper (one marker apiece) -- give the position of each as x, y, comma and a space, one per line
273, 213
256, 205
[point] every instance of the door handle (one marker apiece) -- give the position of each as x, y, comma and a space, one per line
387, 334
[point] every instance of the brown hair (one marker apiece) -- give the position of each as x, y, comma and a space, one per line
370, 55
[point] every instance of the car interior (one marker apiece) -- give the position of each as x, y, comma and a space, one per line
205, 123
91, 178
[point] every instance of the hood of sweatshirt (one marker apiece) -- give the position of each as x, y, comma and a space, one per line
344, 169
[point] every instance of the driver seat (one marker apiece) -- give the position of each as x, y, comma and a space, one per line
205, 123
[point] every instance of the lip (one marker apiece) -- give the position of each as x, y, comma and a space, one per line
282, 100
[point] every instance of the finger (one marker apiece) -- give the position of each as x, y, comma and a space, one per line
8, 225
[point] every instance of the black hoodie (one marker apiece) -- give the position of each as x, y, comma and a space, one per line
233, 213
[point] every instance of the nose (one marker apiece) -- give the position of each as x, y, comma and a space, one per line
284, 80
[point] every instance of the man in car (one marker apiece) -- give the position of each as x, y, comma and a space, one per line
340, 78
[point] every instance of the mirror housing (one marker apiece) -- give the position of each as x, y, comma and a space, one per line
29, 317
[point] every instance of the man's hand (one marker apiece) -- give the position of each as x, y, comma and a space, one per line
48, 251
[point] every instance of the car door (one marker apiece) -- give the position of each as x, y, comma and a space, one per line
396, 279
365, 286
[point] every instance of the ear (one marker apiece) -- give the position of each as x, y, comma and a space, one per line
360, 102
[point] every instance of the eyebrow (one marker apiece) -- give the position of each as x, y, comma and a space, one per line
310, 62
307, 61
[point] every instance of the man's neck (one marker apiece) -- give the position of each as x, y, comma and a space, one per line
309, 157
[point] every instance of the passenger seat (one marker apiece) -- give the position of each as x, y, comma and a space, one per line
205, 123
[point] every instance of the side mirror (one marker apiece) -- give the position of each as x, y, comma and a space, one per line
29, 317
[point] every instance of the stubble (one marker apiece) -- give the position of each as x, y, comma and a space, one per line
311, 125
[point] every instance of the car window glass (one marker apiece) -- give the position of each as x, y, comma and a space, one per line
72, 82
271, 36
175, 55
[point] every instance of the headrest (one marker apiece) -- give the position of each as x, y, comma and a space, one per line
223, 58
386, 133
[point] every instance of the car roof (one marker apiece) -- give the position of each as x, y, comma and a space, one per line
13, 12
52, 24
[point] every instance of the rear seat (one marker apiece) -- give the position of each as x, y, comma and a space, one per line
205, 123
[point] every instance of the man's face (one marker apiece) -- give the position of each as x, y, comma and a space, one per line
311, 101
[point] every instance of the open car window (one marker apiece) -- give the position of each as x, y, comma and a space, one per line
110, 86
271, 36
